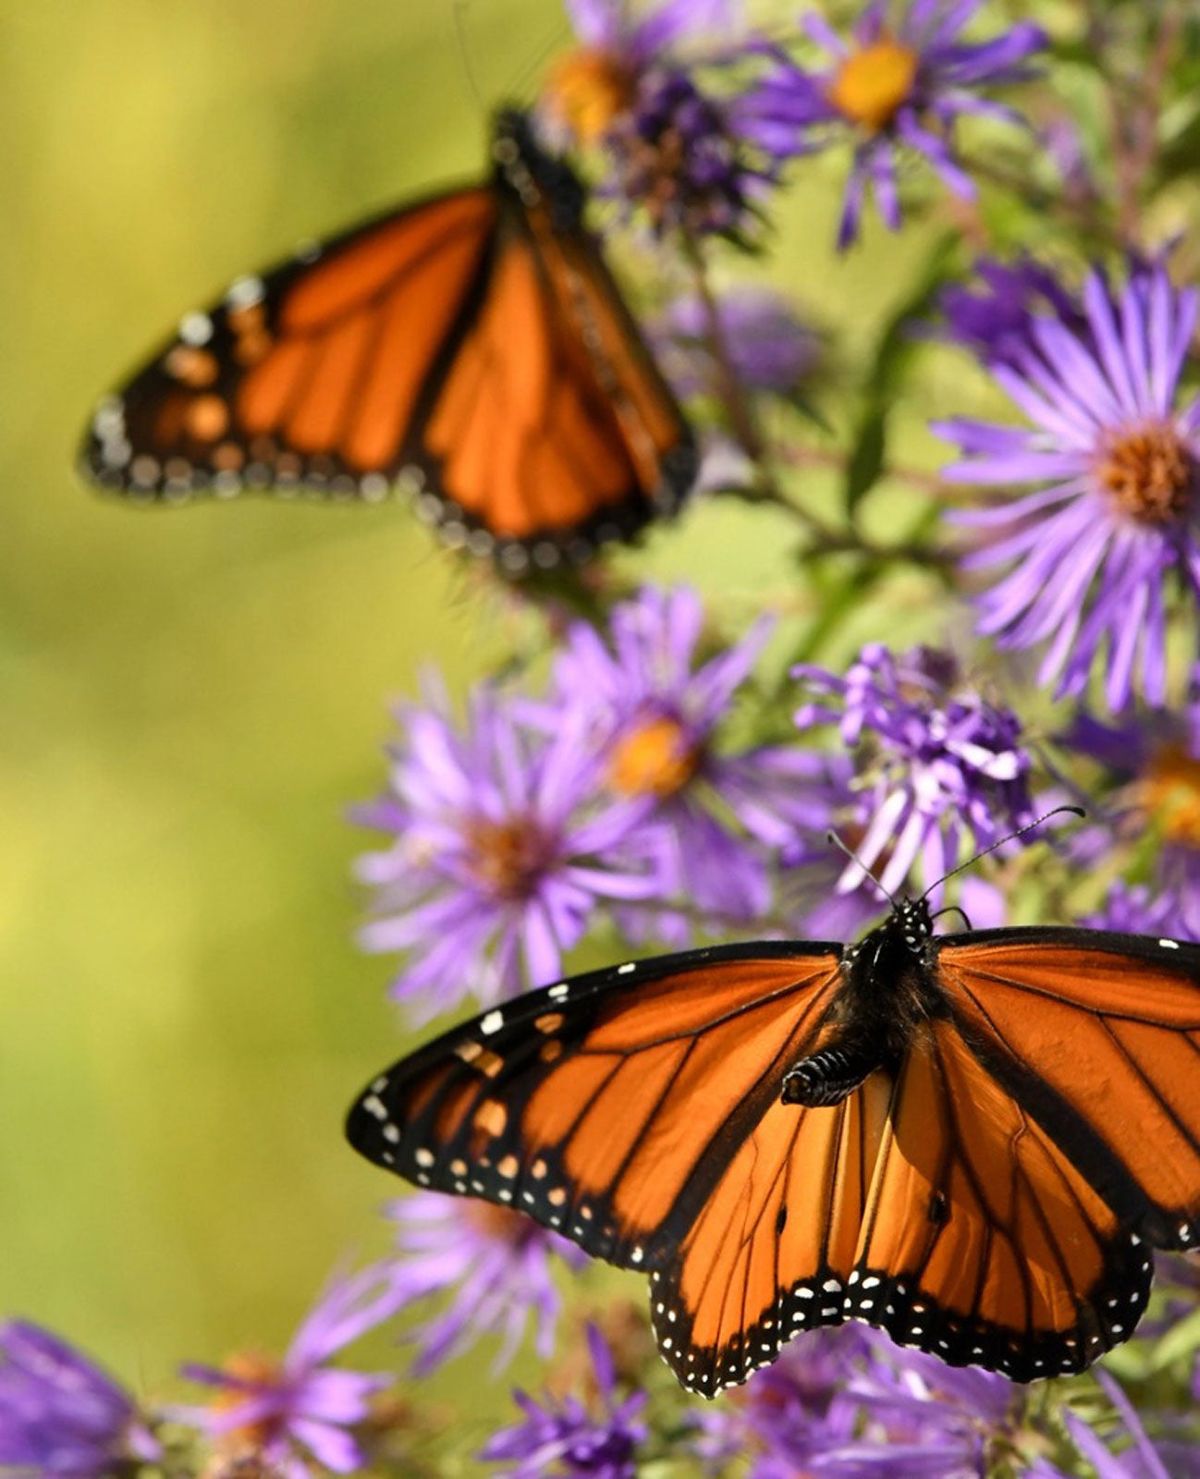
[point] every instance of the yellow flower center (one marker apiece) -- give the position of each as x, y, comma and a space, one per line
871, 85
1150, 472
655, 759
1170, 793
508, 856
587, 90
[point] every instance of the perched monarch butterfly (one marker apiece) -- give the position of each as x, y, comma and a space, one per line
970, 1140
472, 348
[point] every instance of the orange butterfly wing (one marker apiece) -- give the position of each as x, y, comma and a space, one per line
471, 349
982, 1242
1100, 1039
607, 1106
928, 1204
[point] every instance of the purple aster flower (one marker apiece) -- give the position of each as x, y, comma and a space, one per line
771, 349
994, 315
681, 156
498, 1263
934, 772
62, 1416
902, 80
655, 713
566, 1438
501, 841
1113, 451
282, 1412
1150, 811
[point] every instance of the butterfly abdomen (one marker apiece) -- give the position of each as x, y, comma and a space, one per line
831, 1075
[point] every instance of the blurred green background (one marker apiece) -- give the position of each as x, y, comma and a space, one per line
192, 698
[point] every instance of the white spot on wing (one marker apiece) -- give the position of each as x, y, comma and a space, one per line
493, 1022
245, 292
195, 328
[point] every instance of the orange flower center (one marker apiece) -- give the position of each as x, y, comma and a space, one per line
1170, 793
871, 85
587, 90
1150, 472
655, 759
248, 1366
509, 856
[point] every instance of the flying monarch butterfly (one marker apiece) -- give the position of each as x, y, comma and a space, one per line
972, 1141
471, 348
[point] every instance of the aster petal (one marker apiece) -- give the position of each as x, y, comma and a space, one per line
937, 152
819, 31
332, 1447
851, 207
1075, 371
1103, 326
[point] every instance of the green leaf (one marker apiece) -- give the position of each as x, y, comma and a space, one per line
866, 460
894, 349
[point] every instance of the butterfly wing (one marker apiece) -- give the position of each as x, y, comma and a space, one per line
308, 374
771, 1247
471, 349
982, 1242
553, 430
1098, 1037
605, 1106
926, 1203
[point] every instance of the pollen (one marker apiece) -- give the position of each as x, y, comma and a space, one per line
873, 84
654, 759
587, 91
1170, 793
1150, 471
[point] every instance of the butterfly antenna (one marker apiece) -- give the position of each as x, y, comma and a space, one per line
854, 858
1075, 811
458, 9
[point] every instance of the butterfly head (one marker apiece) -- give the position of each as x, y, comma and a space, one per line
909, 925
536, 176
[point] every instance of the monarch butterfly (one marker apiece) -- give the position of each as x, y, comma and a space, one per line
471, 347
971, 1141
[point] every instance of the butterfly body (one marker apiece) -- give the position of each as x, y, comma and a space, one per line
888, 992
969, 1140
470, 350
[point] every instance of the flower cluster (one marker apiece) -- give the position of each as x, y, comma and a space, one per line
675, 146
616, 785
931, 772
